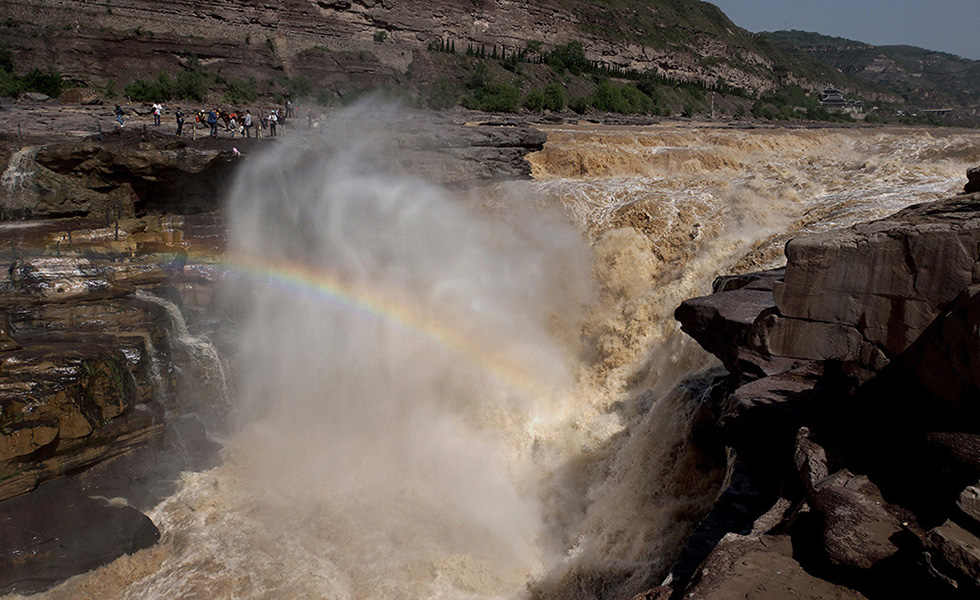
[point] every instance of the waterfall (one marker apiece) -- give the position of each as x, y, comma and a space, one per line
426, 410
17, 182
202, 354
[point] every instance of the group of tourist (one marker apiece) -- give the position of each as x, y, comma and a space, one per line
237, 122
242, 123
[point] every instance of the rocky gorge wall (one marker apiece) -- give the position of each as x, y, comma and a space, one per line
849, 415
334, 43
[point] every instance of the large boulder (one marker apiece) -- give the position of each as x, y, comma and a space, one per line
723, 322
858, 532
56, 532
954, 554
884, 281
123, 177
762, 568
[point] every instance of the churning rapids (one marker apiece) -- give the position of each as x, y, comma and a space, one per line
484, 394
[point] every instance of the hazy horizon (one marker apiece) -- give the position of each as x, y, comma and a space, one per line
948, 27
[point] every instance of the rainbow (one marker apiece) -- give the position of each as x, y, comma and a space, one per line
373, 304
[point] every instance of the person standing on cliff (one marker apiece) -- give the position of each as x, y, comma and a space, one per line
119, 114
213, 122
248, 124
273, 119
179, 115
157, 109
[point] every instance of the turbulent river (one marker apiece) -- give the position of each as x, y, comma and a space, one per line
484, 394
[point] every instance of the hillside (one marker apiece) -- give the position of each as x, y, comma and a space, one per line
333, 49
924, 78
655, 57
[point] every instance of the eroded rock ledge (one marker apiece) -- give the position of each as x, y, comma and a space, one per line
132, 172
851, 413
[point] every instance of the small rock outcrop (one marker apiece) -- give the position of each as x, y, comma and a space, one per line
973, 181
853, 396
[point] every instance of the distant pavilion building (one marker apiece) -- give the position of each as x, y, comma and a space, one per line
833, 99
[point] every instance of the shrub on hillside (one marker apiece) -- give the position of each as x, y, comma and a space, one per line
241, 92
151, 90
442, 94
499, 97
554, 97
191, 85
534, 101
570, 56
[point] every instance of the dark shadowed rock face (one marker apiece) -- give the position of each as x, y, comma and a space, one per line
89, 178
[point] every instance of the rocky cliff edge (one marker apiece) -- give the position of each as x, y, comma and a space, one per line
851, 414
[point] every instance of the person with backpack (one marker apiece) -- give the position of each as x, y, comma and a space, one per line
179, 115
119, 114
273, 119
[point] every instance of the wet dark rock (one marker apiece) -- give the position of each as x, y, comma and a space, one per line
752, 488
7, 342
764, 415
973, 181
59, 279
56, 532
